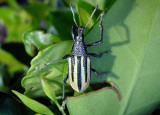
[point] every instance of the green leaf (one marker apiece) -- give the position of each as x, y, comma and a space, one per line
85, 10
13, 64
32, 104
39, 40
68, 2
53, 73
102, 4
131, 33
4, 78
16, 22
62, 20
38, 12
13, 3
50, 92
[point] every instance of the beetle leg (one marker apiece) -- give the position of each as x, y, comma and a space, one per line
44, 65
98, 55
63, 94
101, 40
99, 75
64, 82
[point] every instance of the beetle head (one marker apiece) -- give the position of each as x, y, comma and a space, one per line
80, 30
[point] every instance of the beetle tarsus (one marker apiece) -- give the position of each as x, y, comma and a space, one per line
40, 67
63, 105
99, 75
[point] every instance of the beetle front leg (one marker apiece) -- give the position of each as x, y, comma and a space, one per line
101, 40
98, 55
63, 93
44, 65
99, 75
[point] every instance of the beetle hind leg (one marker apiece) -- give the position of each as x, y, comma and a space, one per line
98, 74
113, 86
63, 93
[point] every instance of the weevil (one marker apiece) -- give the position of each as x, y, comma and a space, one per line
79, 64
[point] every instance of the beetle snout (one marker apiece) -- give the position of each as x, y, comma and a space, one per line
80, 30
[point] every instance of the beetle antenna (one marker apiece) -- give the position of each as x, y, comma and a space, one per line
73, 15
91, 16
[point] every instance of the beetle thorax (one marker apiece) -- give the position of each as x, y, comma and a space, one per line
79, 39
78, 48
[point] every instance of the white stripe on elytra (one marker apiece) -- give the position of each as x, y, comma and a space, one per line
75, 74
83, 72
70, 68
88, 72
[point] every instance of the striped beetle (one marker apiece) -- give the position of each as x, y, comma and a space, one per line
79, 65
